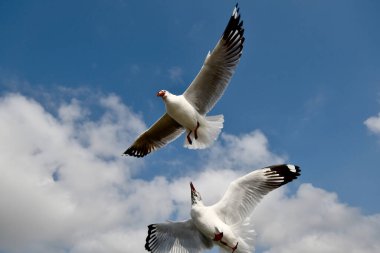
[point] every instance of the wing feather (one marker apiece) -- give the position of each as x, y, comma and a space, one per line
164, 131
244, 193
218, 68
176, 237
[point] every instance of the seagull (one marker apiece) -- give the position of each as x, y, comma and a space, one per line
187, 112
226, 223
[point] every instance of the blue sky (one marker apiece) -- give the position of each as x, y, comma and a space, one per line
305, 90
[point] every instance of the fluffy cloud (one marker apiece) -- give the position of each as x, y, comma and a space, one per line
313, 220
373, 124
64, 186
62, 179
242, 152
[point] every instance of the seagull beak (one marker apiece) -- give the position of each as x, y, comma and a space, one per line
192, 187
161, 93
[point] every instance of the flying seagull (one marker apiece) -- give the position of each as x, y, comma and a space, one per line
187, 112
225, 223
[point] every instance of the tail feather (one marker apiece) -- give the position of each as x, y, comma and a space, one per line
208, 131
246, 234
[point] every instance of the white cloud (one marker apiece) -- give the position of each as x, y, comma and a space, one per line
373, 124
65, 188
314, 220
88, 199
242, 152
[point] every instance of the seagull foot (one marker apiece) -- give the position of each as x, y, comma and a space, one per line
234, 248
195, 131
218, 237
189, 139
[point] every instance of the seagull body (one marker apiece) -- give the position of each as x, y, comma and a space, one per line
226, 223
201, 130
187, 112
211, 226
181, 110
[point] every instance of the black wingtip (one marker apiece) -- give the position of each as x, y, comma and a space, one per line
133, 151
234, 30
289, 172
151, 238
236, 9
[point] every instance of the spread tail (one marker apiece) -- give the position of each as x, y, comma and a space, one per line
208, 131
246, 237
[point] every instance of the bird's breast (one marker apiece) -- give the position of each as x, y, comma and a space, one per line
182, 112
206, 221
202, 222
209, 224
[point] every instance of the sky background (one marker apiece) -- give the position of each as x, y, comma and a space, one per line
77, 85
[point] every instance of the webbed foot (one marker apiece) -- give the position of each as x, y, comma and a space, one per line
218, 237
234, 248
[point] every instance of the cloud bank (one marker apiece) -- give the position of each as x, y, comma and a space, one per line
65, 188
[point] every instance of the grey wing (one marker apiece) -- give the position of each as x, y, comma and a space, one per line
176, 237
244, 193
162, 132
218, 68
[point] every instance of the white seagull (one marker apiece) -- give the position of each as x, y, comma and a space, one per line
225, 223
187, 112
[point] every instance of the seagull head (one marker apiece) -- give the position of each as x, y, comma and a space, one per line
162, 93
195, 196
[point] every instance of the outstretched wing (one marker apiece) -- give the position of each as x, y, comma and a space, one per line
244, 193
162, 132
215, 74
176, 237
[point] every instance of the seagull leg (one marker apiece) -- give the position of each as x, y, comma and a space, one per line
218, 237
188, 138
233, 248
195, 131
